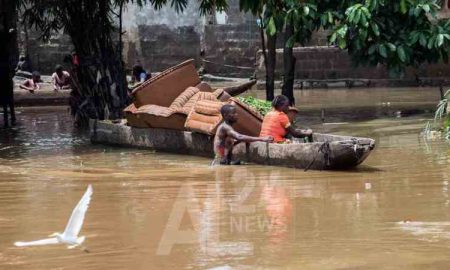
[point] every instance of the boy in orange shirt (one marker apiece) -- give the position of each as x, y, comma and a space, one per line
277, 125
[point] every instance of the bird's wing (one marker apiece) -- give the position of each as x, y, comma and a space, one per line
41, 242
73, 227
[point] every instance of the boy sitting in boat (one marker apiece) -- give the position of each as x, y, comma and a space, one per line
226, 137
277, 125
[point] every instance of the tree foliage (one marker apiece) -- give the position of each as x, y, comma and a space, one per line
393, 33
396, 34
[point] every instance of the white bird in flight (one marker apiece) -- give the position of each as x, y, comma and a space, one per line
70, 235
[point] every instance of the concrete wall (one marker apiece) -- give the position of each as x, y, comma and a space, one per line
230, 50
162, 47
44, 56
160, 39
163, 38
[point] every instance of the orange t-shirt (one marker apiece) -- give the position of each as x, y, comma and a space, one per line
275, 124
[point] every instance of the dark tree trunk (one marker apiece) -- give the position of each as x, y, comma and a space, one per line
263, 43
270, 67
8, 57
289, 65
120, 50
99, 80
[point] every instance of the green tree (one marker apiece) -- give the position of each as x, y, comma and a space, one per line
393, 33
270, 20
396, 34
100, 78
295, 21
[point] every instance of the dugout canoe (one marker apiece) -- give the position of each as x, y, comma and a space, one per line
327, 152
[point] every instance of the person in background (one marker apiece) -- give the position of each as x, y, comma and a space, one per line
60, 79
277, 124
139, 76
23, 65
226, 137
33, 83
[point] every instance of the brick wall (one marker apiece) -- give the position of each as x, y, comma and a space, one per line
162, 47
231, 45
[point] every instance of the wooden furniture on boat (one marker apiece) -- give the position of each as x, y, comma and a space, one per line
165, 100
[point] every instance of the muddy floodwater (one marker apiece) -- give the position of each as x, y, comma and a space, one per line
162, 211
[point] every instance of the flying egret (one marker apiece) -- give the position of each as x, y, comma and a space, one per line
70, 235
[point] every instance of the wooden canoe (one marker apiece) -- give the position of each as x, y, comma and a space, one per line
327, 152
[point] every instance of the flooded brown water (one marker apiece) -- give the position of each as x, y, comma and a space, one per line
159, 211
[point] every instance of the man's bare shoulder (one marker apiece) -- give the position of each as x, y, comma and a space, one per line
224, 128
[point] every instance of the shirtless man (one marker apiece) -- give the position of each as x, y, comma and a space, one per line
226, 137
60, 79
32, 84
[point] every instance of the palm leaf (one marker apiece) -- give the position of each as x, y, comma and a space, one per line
441, 109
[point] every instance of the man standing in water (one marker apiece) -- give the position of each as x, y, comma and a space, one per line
226, 137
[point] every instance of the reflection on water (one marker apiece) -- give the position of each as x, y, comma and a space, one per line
362, 104
159, 211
